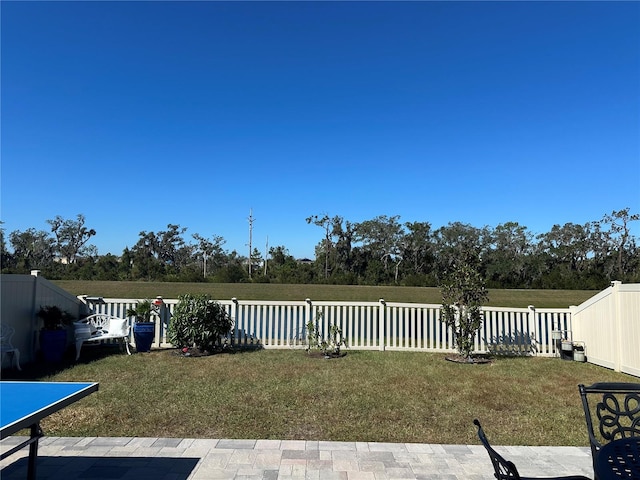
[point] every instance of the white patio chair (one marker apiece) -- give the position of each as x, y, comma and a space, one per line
6, 334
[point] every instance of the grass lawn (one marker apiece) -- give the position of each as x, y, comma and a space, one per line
261, 291
364, 396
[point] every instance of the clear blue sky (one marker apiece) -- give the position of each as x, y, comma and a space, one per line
141, 114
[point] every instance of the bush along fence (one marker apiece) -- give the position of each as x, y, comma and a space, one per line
366, 325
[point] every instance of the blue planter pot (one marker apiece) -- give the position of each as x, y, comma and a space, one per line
144, 334
53, 344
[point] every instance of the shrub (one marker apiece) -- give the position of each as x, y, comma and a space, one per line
198, 321
316, 340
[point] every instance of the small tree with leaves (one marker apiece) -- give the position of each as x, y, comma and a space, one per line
462, 299
316, 341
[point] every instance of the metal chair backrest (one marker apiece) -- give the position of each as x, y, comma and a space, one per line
504, 469
612, 411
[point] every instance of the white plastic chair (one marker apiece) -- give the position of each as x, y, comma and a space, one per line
6, 334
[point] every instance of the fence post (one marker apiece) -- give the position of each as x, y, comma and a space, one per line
617, 327
161, 331
383, 326
234, 317
35, 339
536, 334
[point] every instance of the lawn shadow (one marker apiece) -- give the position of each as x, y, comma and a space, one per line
515, 344
39, 369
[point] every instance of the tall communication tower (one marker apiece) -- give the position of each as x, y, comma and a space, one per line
251, 219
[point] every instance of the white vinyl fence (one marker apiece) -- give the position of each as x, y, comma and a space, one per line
20, 300
368, 325
608, 324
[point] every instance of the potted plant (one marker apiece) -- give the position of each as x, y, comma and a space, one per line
144, 328
53, 336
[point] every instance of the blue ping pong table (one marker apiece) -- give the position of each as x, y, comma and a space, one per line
24, 404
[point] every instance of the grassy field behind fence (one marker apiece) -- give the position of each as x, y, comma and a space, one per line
364, 396
261, 291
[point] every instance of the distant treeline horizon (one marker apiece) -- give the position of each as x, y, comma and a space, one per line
380, 251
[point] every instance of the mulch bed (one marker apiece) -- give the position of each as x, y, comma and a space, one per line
468, 361
316, 354
196, 352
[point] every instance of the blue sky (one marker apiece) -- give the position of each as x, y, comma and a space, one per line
141, 114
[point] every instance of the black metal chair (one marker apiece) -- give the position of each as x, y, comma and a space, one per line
615, 409
506, 470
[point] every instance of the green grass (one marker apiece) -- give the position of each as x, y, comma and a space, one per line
261, 291
364, 396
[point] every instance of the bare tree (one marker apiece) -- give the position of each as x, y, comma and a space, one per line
325, 223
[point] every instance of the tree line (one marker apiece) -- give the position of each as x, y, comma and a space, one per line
380, 251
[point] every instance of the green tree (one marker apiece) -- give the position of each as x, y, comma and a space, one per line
282, 267
383, 238
107, 267
508, 258
32, 249
171, 248
619, 236
71, 237
456, 241
565, 252
419, 249
344, 235
233, 270
210, 251
144, 261
157, 255
462, 299
6, 259
255, 260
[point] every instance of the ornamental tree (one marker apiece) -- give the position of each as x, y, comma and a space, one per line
462, 299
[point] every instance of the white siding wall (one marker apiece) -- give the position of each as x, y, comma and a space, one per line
20, 300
